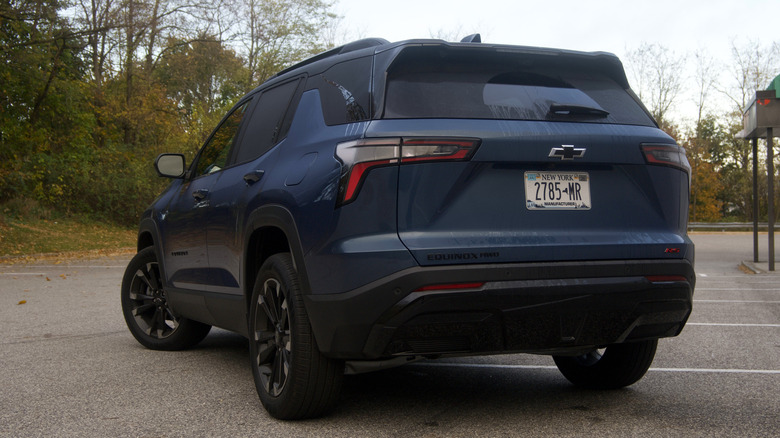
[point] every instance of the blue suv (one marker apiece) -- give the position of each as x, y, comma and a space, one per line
382, 202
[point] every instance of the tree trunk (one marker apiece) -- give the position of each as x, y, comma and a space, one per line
153, 31
55, 64
129, 130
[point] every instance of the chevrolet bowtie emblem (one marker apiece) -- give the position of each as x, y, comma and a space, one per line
567, 152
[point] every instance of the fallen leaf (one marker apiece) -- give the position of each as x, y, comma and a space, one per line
48, 279
63, 276
23, 302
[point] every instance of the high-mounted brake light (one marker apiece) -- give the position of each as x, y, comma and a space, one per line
666, 155
360, 156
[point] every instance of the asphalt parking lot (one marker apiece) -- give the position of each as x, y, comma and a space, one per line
71, 368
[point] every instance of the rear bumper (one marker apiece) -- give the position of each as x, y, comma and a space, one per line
550, 308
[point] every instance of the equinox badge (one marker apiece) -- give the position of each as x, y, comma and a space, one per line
567, 152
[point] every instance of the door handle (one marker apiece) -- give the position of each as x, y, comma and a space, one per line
200, 194
254, 176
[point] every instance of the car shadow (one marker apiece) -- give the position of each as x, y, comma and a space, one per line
429, 395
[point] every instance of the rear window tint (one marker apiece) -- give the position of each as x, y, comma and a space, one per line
266, 129
501, 87
344, 90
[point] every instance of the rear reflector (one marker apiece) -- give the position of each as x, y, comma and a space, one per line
360, 156
453, 286
665, 278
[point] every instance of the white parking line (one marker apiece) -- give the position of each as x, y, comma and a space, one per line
22, 273
722, 324
713, 370
552, 367
731, 289
712, 281
737, 301
740, 281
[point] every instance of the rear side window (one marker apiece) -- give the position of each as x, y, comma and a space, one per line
504, 86
344, 91
266, 127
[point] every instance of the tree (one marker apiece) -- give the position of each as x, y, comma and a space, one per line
704, 151
280, 33
753, 66
89, 96
203, 78
40, 96
705, 79
656, 72
98, 18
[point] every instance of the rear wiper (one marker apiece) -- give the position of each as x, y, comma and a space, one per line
576, 110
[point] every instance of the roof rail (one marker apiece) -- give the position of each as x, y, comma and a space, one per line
346, 48
362, 44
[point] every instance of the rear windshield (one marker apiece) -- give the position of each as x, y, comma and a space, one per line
505, 86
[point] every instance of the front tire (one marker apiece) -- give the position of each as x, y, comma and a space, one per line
618, 366
293, 379
144, 305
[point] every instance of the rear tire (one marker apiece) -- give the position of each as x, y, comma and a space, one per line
144, 305
293, 379
620, 365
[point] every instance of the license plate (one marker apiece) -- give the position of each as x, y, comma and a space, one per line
557, 191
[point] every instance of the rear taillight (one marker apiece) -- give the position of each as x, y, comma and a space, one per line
360, 156
432, 149
666, 155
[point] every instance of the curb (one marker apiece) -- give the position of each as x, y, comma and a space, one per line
757, 267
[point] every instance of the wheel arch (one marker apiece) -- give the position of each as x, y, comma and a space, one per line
149, 235
271, 229
145, 240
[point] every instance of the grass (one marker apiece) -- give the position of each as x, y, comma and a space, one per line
36, 231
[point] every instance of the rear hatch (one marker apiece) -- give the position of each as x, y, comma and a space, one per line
520, 156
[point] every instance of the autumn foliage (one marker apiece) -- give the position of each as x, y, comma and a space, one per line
92, 91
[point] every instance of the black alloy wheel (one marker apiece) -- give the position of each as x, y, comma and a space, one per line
145, 307
271, 335
617, 366
293, 379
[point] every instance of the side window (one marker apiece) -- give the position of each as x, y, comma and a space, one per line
345, 91
214, 154
267, 126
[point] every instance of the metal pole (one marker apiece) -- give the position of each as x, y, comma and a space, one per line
770, 169
755, 200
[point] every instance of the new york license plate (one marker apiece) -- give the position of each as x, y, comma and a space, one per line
557, 191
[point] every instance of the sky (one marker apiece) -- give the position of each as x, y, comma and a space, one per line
682, 26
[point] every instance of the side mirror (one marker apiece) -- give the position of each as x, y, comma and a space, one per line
170, 165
